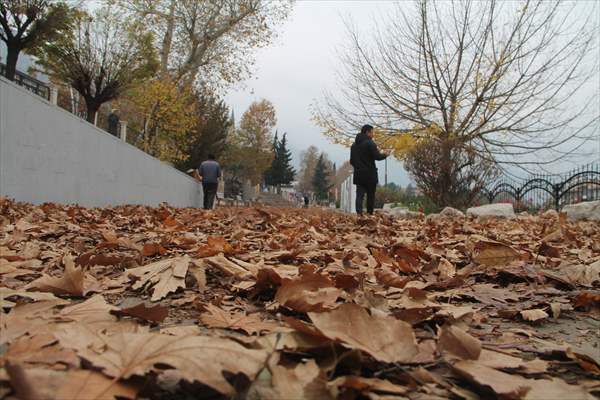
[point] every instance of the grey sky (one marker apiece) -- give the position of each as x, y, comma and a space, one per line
293, 72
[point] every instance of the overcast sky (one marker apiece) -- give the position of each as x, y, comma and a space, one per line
293, 72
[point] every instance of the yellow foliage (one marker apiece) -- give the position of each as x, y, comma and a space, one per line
168, 118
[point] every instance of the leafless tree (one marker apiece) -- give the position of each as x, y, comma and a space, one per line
511, 82
100, 59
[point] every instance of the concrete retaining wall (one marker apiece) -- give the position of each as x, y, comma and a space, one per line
49, 155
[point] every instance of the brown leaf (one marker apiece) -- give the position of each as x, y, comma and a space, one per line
309, 292
303, 381
385, 338
155, 313
40, 349
534, 315
460, 343
151, 249
35, 296
491, 253
387, 277
216, 317
364, 386
165, 276
229, 267
585, 299
73, 282
199, 358
504, 385
75, 384
88, 259
215, 245
446, 269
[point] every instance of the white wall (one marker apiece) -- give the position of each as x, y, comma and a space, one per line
49, 155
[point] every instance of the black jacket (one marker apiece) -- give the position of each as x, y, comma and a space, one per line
363, 154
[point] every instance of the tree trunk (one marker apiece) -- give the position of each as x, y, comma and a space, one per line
167, 40
92, 107
12, 55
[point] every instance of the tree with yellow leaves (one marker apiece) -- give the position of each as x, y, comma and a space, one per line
250, 148
476, 84
163, 117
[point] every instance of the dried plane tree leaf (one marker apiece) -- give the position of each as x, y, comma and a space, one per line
164, 276
74, 281
387, 277
156, 313
364, 386
446, 269
39, 349
303, 381
503, 384
216, 317
534, 315
36, 296
151, 249
459, 343
385, 338
491, 253
77, 384
127, 354
309, 292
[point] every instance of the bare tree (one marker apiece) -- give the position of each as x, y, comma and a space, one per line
208, 41
25, 24
101, 58
504, 81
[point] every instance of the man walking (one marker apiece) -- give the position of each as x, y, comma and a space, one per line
209, 172
363, 154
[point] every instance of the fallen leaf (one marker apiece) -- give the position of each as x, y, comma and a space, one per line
127, 354
534, 315
216, 317
74, 281
385, 338
35, 296
491, 254
364, 386
302, 381
309, 292
503, 384
387, 277
165, 276
460, 343
155, 313
151, 249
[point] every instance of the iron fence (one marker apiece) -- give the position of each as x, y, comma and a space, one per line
545, 191
28, 82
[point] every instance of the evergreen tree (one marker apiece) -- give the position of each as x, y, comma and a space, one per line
281, 171
320, 179
286, 171
272, 172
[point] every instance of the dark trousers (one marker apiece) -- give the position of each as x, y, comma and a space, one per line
210, 191
369, 190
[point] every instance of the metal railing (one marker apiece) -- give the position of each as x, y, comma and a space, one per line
28, 82
545, 191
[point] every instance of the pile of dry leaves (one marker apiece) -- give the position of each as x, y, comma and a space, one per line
265, 303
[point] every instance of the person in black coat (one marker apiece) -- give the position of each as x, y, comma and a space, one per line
363, 155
